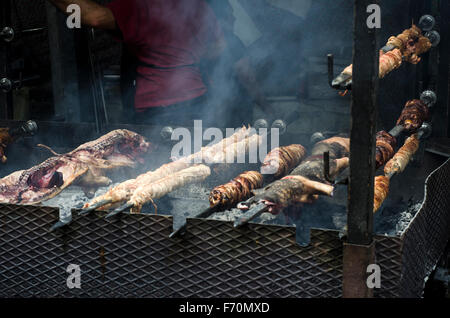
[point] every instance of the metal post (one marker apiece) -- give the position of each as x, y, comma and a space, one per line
358, 251
64, 67
6, 106
441, 113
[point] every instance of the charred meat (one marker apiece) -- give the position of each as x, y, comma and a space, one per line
414, 114
237, 190
385, 148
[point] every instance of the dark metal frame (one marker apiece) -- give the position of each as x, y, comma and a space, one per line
359, 248
6, 101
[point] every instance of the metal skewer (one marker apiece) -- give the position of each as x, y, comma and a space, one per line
181, 230
94, 207
120, 210
251, 214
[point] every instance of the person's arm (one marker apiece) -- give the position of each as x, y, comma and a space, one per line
92, 14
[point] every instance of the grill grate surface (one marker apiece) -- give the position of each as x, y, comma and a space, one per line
132, 256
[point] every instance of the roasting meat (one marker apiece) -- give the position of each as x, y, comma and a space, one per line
280, 161
125, 190
148, 192
381, 190
385, 148
413, 115
237, 190
337, 146
307, 180
5, 139
401, 159
411, 43
119, 148
388, 62
408, 46
291, 190
217, 153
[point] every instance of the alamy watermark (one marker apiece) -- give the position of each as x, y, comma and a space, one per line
374, 19
243, 152
74, 19
74, 279
374, 279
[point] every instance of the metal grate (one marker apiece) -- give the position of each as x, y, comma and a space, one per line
132, 255
426, 237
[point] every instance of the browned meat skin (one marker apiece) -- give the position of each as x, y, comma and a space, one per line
239, 189
280, 161
387, 63
5, 140
384, 151
291, 190
46, 180
401, 159
148, 192
413, 115
213, 153
381, 190
337, 146
307, 181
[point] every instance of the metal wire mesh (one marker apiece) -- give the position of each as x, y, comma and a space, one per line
132, 255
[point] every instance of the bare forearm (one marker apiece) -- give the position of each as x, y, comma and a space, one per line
92, 13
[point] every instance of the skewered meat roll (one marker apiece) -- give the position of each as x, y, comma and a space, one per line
237, 190
414, 114
385, 145
381, 190
280, 161
388, 62
400, 160
411, 43
124, 190
148, 192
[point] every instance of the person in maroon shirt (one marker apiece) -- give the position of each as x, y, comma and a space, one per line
169, 39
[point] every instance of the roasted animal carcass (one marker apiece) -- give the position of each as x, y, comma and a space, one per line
413, 115
119, 148
280, 161
237, 190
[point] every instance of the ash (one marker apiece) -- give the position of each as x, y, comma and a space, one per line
71, 198
392, 222
187, 202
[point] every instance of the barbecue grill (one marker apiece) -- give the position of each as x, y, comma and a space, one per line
132, 255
